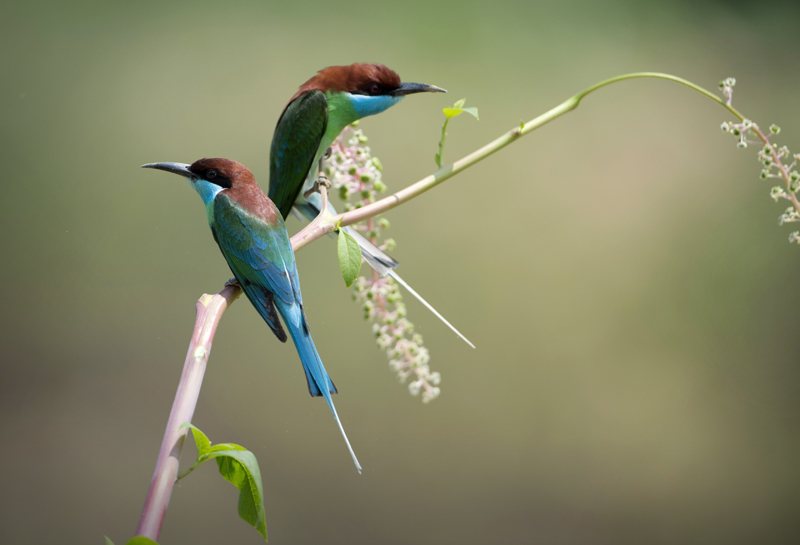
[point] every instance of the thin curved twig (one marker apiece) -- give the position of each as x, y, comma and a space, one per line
320, 228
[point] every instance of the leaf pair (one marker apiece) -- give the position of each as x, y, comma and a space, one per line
458, 109
455, 111
239, 467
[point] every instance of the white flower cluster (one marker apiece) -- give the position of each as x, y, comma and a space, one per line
352, 170
740, 131
394, 334
726, 86
776, 162
358, 176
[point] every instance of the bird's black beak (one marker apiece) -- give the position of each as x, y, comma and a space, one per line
175, 168
411, 88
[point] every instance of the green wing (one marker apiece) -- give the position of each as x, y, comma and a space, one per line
294, 146
260, 256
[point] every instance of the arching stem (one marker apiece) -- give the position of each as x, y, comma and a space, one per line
313, 231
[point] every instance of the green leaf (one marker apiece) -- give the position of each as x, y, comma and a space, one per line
141, 540
108, 541
201, 441
349, 257
458, 109
239, 467
472, 110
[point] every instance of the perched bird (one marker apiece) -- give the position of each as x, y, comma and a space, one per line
251, 234
312, 120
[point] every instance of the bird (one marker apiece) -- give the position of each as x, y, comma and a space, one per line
252, 236
314, 117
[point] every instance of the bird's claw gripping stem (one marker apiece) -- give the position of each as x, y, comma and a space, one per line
233, 282
319, 183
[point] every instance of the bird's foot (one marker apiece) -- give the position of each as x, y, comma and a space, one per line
321, 181
328, 153
233, 282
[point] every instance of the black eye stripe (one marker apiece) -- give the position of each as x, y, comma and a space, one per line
216, 178
373, 89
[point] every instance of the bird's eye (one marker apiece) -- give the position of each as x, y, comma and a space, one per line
211, 174
374, 89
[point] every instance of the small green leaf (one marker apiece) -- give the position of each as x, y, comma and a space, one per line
349, 257
459, 103
452, 112
472, 110
239, 467
108, 541
141, 540
201, 442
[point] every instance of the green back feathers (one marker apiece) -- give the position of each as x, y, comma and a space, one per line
294, 147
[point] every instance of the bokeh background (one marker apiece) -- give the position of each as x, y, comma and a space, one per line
621, 271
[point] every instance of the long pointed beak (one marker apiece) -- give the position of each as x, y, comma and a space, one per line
411, 88
175, 168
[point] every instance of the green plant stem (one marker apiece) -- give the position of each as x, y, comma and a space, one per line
317, 229
440, 155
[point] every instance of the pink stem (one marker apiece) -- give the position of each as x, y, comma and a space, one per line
209, 311
780, 166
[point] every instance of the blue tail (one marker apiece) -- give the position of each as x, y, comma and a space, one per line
319, 383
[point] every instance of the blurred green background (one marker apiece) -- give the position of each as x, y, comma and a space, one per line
621, 271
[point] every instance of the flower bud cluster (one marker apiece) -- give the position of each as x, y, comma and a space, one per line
741, 131
394, 333
791, 215
357, 176
776, 162
726, 86
352, 170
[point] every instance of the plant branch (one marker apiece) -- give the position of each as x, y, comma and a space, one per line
211, 307
209, 312
314, 231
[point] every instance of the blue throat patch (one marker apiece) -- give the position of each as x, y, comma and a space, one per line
205, 189
370, 105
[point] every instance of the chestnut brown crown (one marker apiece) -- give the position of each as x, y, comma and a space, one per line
222, 172
361, 78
